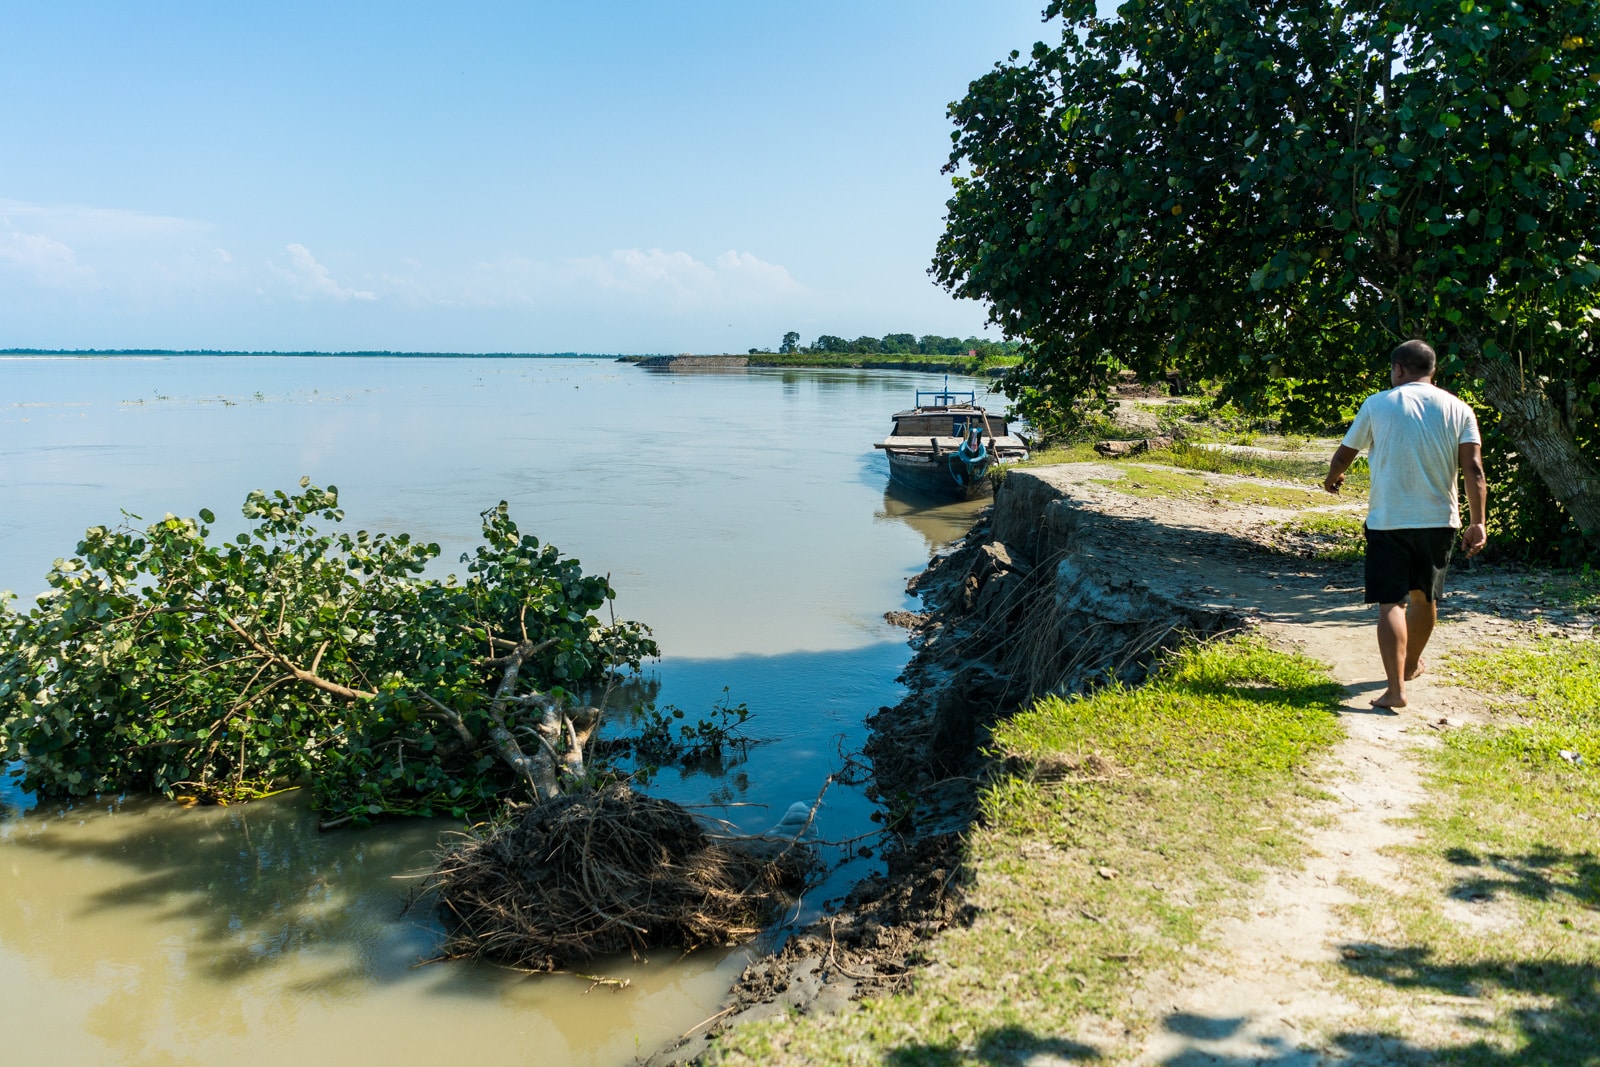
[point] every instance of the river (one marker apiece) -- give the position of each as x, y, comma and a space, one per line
741, 514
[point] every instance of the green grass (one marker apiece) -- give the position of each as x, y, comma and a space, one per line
1126, 822
1309, 471
1331, 535
1579, 589
1144, 480
1511, 834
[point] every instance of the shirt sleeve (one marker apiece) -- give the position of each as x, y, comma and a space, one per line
1469, 428
1359, 435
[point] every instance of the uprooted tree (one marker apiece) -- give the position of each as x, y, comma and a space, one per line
1272, 194
161, 660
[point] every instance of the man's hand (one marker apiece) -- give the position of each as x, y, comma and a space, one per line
1473, 538
1343, 456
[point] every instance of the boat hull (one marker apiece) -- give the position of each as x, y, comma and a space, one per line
922, 472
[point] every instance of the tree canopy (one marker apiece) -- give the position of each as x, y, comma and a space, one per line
899, 344
1273, 194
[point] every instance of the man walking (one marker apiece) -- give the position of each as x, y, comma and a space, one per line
1418, 438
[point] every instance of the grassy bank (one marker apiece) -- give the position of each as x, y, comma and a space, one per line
1307, 470
1487, 952
1117, 825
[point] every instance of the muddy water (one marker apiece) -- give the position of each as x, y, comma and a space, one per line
743, 515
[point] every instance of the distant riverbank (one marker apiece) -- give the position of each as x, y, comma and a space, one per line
102, 353
982, 366
992, 366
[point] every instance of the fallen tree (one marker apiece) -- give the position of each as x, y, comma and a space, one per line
166, 661
163, 660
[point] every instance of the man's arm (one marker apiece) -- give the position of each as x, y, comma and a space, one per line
1470, 456
1340, 463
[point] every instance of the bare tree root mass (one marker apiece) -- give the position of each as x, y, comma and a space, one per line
607, 872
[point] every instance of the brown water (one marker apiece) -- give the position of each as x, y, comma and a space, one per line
744, 516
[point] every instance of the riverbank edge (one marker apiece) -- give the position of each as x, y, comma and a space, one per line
993, 367
1039, 562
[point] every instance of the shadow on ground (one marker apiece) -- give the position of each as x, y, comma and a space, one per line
1528, 1009
1006, 1045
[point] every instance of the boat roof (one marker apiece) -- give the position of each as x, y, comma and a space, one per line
943, 409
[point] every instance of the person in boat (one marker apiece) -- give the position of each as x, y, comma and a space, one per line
969, 462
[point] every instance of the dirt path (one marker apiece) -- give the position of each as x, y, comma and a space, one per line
1269, 995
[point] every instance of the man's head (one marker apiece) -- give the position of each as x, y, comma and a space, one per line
1413, 361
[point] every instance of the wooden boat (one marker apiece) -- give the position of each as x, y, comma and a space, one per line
946, 445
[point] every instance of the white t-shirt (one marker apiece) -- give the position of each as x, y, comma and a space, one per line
1413, 432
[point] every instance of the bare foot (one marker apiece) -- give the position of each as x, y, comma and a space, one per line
1418, 671
1388, 699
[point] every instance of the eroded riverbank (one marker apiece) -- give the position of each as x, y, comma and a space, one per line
1083, 574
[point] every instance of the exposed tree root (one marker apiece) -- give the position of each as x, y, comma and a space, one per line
606, 872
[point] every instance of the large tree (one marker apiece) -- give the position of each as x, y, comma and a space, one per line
1274, 193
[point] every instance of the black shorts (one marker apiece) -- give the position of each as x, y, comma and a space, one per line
1399, 561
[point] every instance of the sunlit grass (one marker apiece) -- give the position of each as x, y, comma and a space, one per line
1500, 893
1578, 589
1147, 481
1125, 822
1308, 471
1336, 536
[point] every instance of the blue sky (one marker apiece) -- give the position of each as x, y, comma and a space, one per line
610, 177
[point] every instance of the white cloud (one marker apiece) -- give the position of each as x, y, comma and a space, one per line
676, 275
83, 224
45, 260
126, 258
312, 279
680, 278
752, 273
628, 278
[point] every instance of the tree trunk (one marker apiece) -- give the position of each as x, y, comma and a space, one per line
1534, 422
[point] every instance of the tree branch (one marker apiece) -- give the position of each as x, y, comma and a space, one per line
342, 691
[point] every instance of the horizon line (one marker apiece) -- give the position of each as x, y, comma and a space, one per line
313, 352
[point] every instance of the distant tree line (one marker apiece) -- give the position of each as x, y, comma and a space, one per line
898, 344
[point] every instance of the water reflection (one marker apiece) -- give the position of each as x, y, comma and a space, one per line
938, 520
143, 933
250, 885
